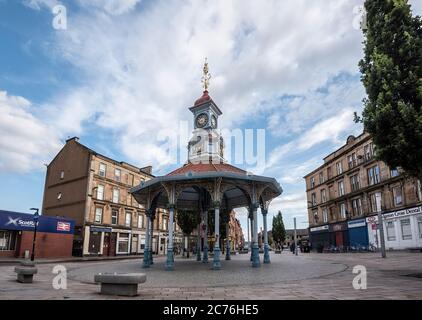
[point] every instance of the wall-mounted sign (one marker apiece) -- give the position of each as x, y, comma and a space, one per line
401, 213
321, 228
356, 223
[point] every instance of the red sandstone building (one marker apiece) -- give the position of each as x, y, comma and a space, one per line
54, 236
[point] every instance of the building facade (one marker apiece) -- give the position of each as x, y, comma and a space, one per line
54, 237
347, 192
92, 189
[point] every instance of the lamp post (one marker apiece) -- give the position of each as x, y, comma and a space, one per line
36, 216
381, 230
295, 236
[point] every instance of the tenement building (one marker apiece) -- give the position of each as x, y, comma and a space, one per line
92, 190
347, 192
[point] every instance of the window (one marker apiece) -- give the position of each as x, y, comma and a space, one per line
323, 196
351, 159
321, 177
354, 182
100, 192
394, 172
329, 175
312, 182
116, 195
313, 199
398, 196
419, 220
165, 224
368, 150
343, 210
123, 243
325, 215
341, 188
316, 218
59, 196
140, 220
374, 175
117, 174
128, 219
114, 216
102, 171
62, 174
98, 215
419, 190
339, 168
131, 179
357, 207
391, 231
406, 231
7, 240
376, 202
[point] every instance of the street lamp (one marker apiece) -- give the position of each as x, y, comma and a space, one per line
35, 218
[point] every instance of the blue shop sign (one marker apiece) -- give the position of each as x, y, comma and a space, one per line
10, 220
356, 223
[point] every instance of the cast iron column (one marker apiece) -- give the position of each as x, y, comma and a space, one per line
266, 246
255, 248
198, 244
170, 254
146, 263
227, 241
205, 253
216, 262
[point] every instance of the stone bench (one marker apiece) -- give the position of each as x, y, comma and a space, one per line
120, 284
26, 272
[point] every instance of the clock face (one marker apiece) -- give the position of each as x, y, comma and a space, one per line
213, 122
202, 120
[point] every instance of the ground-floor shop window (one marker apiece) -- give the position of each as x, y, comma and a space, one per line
419, 219
123, 243
391, 232
7, 240
406, 231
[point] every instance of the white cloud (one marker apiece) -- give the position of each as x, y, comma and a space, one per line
114, 7
26, 142
144, 71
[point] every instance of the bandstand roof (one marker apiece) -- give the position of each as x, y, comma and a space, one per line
196, 185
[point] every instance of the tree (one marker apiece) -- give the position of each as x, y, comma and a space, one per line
187, 220
278, 231
392, 75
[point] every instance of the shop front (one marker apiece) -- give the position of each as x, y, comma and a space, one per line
123, 242
97, 241
319, 238
373, 232
339, 237
358, 234
54, 235
403, 228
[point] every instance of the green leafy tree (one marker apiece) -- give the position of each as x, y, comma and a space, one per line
278, 231
392, 75
187, 220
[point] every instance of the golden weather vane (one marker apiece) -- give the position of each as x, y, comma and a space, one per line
206, 77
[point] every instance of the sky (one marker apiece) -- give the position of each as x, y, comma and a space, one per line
115, 73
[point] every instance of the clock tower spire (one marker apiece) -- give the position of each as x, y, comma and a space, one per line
206, 145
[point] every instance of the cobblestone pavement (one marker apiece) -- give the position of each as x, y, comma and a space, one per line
308, 276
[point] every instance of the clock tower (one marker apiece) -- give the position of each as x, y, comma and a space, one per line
206, 144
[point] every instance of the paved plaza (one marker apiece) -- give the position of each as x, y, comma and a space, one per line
307, 276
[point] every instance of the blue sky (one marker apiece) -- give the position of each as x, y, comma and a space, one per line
123, 70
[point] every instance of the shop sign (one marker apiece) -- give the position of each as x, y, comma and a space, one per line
356, 223
321, 228
401, 213
25, 222
99, 229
